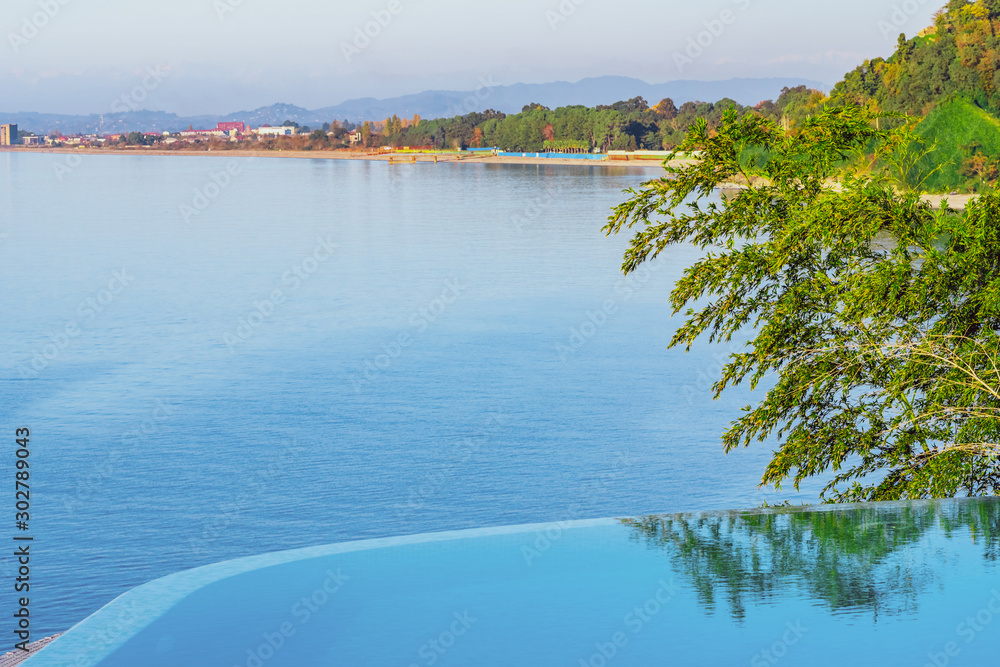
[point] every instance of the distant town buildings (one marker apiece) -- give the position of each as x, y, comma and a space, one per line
8, 135
231, 130
193, 134
238, 126
275, 131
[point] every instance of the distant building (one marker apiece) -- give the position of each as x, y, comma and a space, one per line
33, 141
203, 133
355, 137
275, 131
230, 126
8, 135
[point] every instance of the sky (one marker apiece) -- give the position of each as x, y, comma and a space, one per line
218, 56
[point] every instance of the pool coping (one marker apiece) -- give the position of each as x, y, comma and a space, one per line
99, 635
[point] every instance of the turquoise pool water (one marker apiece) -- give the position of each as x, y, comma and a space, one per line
888, 584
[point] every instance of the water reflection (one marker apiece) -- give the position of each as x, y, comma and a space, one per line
867, 559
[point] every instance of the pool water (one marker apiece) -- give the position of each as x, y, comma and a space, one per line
881, 584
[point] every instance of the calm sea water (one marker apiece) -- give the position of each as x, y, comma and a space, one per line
301, 352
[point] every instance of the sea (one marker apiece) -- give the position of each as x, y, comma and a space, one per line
222, 356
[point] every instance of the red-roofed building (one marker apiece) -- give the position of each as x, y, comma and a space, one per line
234, 125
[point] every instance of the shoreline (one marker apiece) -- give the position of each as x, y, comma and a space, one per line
401, 159
957, 202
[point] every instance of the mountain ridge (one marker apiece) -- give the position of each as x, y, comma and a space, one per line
427, 104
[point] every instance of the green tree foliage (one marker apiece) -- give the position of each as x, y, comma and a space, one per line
445, 132
626, 125
666, 109
959, 55
318, 140
636, 104
137, 139
874, 317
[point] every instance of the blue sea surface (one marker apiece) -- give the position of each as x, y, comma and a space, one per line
219, 357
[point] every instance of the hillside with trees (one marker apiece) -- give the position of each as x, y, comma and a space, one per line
966, 153
945, 81
948, 75
958, 55
626, 125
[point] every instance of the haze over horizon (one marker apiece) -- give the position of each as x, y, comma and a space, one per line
218, 56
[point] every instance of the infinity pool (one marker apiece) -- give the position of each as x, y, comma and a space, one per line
882, 584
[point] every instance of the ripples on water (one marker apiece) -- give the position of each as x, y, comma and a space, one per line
359, 403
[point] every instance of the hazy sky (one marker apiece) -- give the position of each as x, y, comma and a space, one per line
218, 56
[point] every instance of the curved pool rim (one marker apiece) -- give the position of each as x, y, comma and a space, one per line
99, 635
141, 606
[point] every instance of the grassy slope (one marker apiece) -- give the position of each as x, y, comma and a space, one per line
952, 124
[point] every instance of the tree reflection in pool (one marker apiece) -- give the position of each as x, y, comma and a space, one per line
854, 558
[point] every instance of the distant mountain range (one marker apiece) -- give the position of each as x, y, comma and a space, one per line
430, 104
